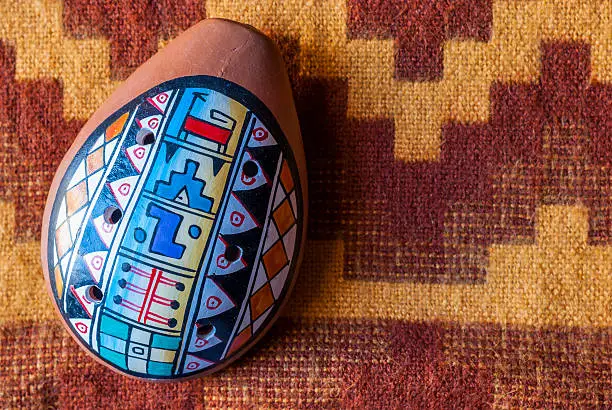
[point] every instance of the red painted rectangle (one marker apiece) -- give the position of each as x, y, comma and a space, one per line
207, 130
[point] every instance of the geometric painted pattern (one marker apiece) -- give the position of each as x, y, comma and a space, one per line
273, 269
84, 182
212, 176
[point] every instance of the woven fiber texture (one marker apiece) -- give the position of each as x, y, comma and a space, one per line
459, 250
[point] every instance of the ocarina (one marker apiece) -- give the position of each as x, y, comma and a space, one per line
175, 222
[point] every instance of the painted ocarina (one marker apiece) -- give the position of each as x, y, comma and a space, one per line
174, 225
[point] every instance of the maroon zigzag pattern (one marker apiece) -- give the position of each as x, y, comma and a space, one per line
546, 143
133, 27
34, 136
420, 28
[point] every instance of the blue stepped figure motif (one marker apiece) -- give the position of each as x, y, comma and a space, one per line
165, 232
185, 188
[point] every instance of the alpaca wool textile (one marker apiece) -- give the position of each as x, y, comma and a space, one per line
459, 249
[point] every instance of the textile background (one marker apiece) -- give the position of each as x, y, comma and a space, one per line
460, 244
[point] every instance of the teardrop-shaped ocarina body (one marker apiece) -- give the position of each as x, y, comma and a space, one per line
174, 226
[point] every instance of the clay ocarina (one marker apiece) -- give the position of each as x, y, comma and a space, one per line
175, 222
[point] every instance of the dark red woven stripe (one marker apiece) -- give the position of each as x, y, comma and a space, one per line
332, 364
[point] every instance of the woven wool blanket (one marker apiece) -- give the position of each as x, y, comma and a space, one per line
459, 249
